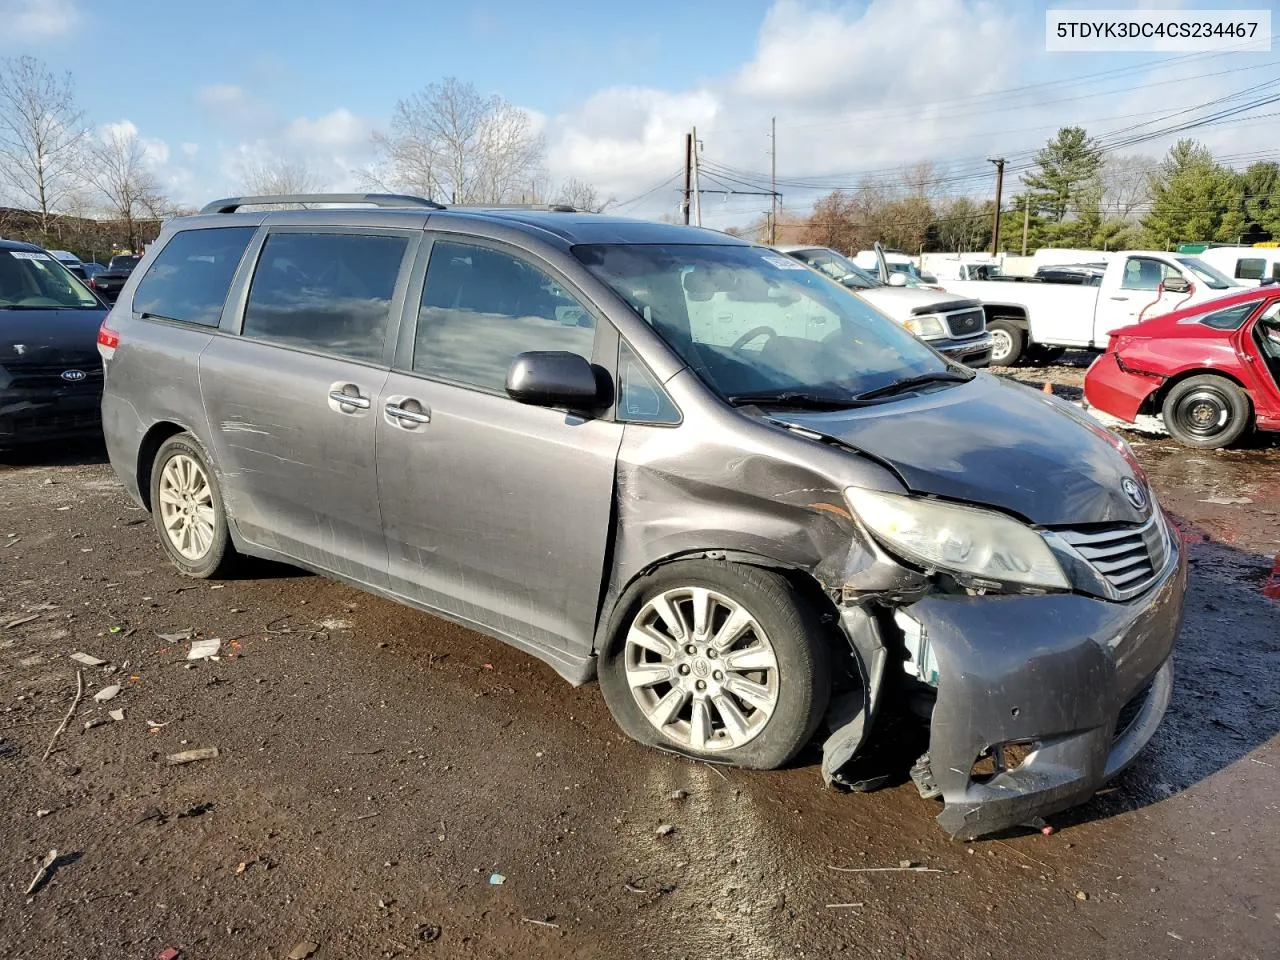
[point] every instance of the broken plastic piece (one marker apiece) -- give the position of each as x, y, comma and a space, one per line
107, 693
191, 756
496, 879
87, 660
204, 649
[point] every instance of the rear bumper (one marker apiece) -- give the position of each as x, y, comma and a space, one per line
31, 417
1080, 683
973, 352
1115, 390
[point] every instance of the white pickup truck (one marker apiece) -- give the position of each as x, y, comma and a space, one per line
1029, 317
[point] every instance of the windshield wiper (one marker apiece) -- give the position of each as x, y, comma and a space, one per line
902, 386
791, 398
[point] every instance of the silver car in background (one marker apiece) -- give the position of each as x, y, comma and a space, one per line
750, 505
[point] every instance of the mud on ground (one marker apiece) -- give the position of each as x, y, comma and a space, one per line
379, 770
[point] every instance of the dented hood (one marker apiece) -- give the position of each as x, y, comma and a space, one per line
996, 443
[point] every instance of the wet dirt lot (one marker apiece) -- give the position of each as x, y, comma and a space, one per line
379, 770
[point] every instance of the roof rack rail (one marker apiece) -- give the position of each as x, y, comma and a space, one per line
232, 204
551, 207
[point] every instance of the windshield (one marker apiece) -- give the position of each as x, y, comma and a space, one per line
33, 280
124, 263
1212, 278
754, 323
838, 267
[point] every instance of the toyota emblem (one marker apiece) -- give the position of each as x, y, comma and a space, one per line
73, 376
1137, 496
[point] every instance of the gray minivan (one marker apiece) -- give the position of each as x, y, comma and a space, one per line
689, 466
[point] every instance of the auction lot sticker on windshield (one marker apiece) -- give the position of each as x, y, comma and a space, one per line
28, 255
784, 263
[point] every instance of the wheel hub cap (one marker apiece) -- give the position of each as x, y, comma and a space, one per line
186, 506
702, 669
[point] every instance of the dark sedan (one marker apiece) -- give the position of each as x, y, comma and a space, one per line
111, 281
50, 371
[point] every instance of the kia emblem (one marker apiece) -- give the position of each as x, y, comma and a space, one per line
1137, 496
74, 376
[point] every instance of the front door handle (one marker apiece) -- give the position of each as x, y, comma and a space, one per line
1119, 298
343, 399
407, 416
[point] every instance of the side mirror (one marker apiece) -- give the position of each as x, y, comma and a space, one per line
897, 279
553, 378
1176, 285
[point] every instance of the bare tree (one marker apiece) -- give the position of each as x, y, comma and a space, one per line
582, 196
280, 176
1126, 184
448, 142
130, 189
41, 135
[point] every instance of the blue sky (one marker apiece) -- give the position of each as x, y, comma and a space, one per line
856, 86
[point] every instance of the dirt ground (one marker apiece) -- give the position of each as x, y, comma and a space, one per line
390, 785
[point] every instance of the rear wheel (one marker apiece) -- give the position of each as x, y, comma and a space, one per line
1007, 342
186, 504
718, 661
1206, 411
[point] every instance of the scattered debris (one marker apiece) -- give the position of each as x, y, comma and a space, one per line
42, 813
677, 794
107, 693
334, 623
907, 864
204, 649
196, 810
87, 660
169, 953
496, 879
182, 636
1227, 501
43, 872
429, 932
152, 813
303, 950
899, 869
844, 906
21, 620
158, 726
632, 888
540, 923
191, 756
1174, 935
117, 715
96, 722
241, 867
67, 719
666, 830
1081, 895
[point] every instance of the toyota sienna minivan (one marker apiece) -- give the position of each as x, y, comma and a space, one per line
685, 465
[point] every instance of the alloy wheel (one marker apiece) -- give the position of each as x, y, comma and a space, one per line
1001, 347
702, 669
186, 506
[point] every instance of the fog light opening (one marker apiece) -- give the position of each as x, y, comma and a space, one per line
1001, 758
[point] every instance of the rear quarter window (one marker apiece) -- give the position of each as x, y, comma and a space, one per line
1251, 268
1229, 318
189, 279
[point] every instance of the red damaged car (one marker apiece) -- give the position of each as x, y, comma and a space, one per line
1212, 370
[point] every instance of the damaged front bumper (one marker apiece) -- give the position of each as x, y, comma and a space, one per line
1071, 687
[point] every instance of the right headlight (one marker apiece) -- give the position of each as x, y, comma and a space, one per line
964, 540
925, 325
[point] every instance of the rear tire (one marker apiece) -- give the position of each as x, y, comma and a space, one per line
754, 688
1007, 342
1207, 412
187, 508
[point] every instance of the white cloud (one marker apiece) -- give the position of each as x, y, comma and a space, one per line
338, 130
36, 21
222, 96
189, 148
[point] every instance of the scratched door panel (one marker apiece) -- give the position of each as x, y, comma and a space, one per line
298, 466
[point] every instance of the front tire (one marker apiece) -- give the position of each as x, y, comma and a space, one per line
1207, 412
1007, 342
186, 505
720, 662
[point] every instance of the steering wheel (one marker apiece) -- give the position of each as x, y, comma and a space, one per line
751, 334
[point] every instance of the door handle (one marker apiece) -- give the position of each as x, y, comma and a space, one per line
349, 399
1119, 298
407, 416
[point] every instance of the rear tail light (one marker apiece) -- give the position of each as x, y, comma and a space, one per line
93, 284
108, 340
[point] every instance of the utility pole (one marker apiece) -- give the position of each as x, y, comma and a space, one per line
697, 186
1026, 220
688, 174
995, 229
773, 181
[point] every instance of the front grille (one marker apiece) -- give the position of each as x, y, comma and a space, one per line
50, 374
966, 323
40, 424
1128, 557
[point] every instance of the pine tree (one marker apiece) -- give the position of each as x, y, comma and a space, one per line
1193, 198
